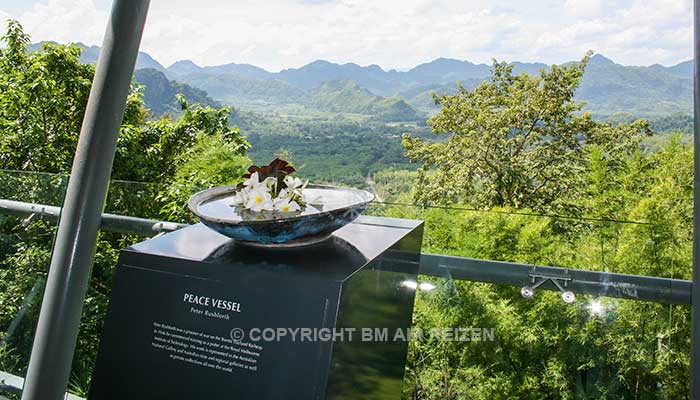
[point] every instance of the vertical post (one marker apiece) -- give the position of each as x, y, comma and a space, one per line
695, 294
71, 262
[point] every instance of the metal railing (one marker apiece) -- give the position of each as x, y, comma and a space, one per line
624, 286
54, 343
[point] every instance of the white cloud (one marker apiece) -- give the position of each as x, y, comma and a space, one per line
643, 33
3, 18
584, 8
392, 33
65, 21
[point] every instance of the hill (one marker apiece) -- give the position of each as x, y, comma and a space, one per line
235, 89
609, 88
314, 74
91, 53
682, 70
160, 92
186, 67
349, 97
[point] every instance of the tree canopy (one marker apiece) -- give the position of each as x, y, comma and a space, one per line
157, 166
515, 140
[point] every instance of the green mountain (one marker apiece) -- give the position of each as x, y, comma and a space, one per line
143, 60
682, 70
186, 67
235, 89
421, 97
609, 88
349, 97
91, 53
160, 92
316, 73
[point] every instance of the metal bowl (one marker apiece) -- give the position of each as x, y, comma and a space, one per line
329, 208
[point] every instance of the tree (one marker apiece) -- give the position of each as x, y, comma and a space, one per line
42, 100
566, 161
43, 95
515, 140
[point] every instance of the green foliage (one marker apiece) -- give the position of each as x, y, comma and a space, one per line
160, 93
513, 141
673, 123
339, 152
205, 165
515, 145
347, 96
42, 101
545, 348
152, 151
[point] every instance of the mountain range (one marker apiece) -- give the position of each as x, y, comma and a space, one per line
607, 88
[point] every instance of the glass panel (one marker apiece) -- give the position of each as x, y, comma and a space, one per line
542, 347
657, 249
481, 341
26, 241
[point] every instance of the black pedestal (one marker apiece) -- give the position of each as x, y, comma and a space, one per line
193, 315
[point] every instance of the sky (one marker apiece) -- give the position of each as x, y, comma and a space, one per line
277, 34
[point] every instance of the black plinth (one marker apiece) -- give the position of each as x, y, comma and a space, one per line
189, 312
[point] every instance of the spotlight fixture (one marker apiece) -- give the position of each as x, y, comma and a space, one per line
568, 297
527, 292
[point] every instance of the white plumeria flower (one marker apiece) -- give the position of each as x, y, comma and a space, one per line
287, 206
259, 199
284, 194
240, 197
292, 182
253, 181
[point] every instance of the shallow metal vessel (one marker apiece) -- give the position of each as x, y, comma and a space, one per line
328, 209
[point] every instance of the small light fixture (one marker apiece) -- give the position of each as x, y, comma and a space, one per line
527, 292
568, 297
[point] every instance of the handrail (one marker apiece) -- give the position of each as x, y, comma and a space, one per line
624, 286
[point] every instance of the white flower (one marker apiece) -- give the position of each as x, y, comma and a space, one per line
240, 197
284, 194
287, 206
259, 199
253, 181
256, 196
292, 182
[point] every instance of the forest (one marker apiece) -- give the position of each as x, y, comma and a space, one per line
511, 169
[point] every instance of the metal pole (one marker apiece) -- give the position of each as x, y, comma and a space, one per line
109, 222
695, 295
57, 330
623, 286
